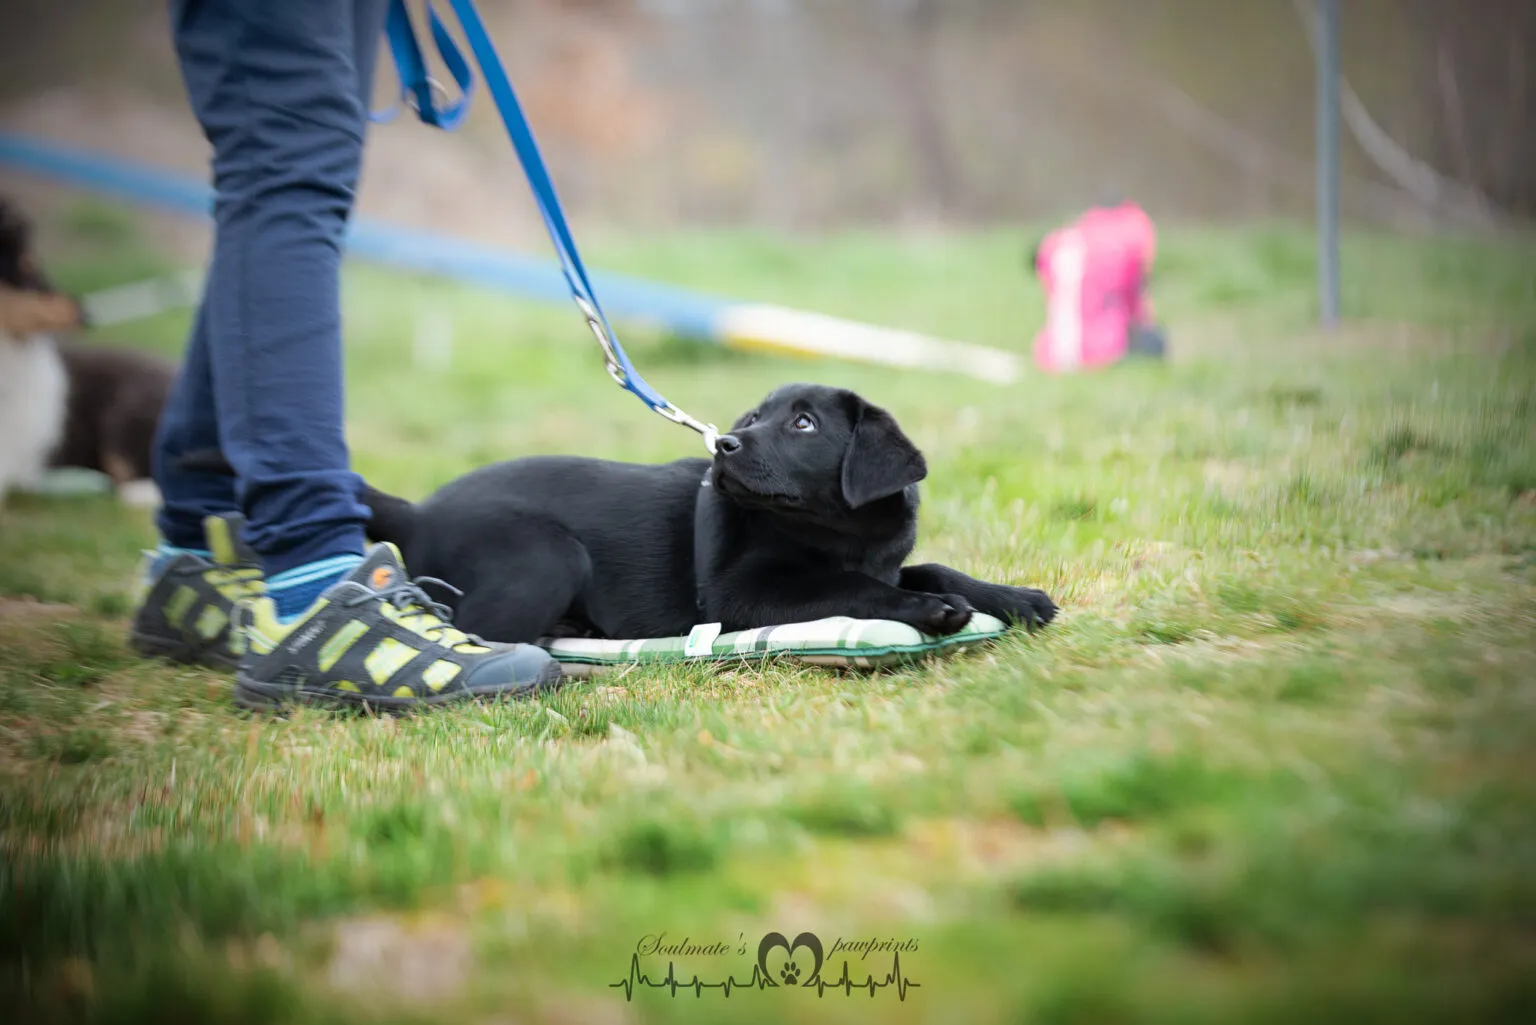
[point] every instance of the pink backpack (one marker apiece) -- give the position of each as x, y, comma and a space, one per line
1095, 273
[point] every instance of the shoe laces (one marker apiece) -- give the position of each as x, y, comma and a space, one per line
419, 612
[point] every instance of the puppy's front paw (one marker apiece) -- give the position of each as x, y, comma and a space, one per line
939, 615
1024, 605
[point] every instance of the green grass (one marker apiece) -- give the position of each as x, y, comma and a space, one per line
1273, 762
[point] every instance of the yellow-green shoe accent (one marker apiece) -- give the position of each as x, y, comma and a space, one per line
375, 638
185, 606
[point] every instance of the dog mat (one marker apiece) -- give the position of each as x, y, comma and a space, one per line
836, 641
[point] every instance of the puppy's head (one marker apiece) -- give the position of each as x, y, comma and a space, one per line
815, 452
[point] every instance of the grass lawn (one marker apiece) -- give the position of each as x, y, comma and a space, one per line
1272, 763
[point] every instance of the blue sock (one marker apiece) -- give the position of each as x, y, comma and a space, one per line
164, 553
295, 590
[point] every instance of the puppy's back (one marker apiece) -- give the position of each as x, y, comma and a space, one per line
620, 536
587, 496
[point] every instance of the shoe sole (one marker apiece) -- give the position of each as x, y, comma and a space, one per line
177, 650
257, 696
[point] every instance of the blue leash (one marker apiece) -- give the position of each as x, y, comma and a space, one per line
420, 91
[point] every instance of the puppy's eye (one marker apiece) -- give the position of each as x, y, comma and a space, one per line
749, 420
803, 422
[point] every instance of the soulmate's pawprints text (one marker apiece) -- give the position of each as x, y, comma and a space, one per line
781, 964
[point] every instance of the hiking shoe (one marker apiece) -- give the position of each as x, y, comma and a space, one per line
376, 639
186, 606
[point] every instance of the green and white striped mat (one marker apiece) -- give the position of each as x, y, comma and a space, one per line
836, 641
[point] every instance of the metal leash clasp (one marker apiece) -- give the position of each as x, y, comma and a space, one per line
615, 369
437, 90
710, 432
605, 340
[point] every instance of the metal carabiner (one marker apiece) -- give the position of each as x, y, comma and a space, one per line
438, 90
710, 432
621, 377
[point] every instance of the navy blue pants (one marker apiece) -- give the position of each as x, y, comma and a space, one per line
281, 89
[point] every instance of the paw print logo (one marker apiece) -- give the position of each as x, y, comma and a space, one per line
789, 974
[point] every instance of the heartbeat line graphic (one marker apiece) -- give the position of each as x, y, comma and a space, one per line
638, 978
892, 978
759, 981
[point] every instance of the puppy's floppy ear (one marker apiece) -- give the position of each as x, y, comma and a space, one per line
880, 460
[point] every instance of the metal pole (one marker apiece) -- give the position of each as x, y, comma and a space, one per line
1328, 161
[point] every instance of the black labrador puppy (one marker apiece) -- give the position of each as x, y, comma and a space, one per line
807, 510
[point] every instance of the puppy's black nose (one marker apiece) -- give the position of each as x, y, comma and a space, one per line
727, 444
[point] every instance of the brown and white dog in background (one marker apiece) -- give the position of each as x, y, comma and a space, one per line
63, 404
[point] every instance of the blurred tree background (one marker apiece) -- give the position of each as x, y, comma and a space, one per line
808, 114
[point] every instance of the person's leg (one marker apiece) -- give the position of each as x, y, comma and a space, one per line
190, 424
276, 89
280, 90
189, 584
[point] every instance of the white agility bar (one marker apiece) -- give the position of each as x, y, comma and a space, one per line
782, 329
123, 303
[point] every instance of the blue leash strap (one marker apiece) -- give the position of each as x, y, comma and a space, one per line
418, 89
417, 85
